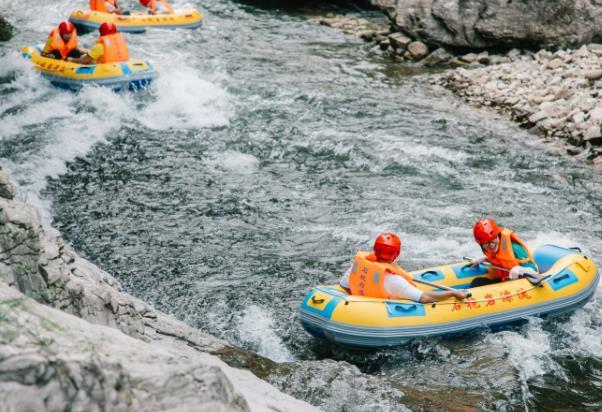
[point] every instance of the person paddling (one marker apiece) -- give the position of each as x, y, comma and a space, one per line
377, 275
106, 6
62, 43
503, 249
157, 6
110, 47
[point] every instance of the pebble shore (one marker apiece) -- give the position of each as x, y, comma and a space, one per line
555, 95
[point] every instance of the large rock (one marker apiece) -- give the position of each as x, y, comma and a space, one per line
53, 361
498, 23
7, 190
71, 339
6, 30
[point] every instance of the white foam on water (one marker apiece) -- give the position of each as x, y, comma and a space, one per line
39, 15
528, 351
184, 100
584, 330
75, 123
67, 125
398, 148
256, 327
233, 161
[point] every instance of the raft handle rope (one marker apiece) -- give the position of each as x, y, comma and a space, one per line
457, 302
317, 301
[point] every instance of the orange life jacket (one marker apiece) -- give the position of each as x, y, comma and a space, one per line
504, 257
367, 276
99, 5
59, 44
115, 49
152, 5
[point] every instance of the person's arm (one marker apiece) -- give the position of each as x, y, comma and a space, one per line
92, 56
521, 254
399, 288
476, 262
46, 49
84, 59
112, 9
344, 281
431, 297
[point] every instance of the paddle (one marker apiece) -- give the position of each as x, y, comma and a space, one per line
436, 285
534, 279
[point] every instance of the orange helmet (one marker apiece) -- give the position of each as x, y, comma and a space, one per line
107, 29
66, 27
387, 246
485, 230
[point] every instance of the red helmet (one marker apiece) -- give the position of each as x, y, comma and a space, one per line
144, 2
387, 246
485, 230
107, 29
66, 27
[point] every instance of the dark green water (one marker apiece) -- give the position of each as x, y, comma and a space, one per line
268, 152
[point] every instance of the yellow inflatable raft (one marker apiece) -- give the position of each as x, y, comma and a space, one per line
133, 74
328, 312
87, 20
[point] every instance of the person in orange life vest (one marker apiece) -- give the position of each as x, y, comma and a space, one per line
62, 43
377, 275
110, 47
106, 6
502, 248
157, 6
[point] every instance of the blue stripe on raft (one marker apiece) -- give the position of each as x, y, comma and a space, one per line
125, 69
328, 309
563, 279
546, 256
430, 275
398, 310
85, 70
464, 271
26, 55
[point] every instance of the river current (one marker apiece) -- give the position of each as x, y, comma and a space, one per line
269, 151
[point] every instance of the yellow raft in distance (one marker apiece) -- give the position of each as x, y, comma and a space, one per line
87, 20
132, 75
328, 312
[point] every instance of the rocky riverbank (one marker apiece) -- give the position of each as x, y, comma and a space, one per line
555, 95
71, 339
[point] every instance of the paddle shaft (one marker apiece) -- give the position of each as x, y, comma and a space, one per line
438, 286
487, 264
531, 278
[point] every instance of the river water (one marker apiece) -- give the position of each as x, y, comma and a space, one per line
270, 150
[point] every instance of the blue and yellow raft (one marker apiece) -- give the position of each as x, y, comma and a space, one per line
328, 312
132, 75
87, 20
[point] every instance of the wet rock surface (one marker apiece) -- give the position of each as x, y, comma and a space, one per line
70, 339
6, 30
481, 24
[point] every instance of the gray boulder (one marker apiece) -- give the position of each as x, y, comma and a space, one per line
6, 30
7, 190
481, 24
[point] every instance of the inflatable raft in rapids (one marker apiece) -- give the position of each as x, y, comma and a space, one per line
132, 75
87, 20
330, 313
